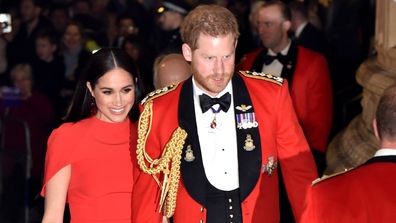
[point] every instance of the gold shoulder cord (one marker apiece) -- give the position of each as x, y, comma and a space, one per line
170, 158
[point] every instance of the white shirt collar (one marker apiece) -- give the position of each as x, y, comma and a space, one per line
283, 52
385, 152
300, 29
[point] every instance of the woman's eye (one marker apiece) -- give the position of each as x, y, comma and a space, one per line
127, 90
106, 92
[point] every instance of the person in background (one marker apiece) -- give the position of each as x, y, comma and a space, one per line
170, 16
59, 15
24, 40
48, 68
304, 32
22, 105
142, 55
306, 71
170, 69
88, 161
75, 56
208, 148
367, 193
126, 26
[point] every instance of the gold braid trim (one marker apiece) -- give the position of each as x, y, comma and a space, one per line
170, 158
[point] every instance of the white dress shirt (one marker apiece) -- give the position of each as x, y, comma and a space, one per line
300, 29
218, 145
275, 68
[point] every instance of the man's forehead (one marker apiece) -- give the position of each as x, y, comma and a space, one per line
269, 12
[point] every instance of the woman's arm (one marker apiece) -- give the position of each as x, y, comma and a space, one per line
55, 196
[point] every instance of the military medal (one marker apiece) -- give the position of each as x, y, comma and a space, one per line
213, 124
270, 166
249, 146
246, 120
189, 157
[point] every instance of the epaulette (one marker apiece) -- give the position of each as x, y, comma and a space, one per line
263, 76
159, 92
325, 177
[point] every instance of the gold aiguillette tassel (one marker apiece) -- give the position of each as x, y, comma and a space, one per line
164, 189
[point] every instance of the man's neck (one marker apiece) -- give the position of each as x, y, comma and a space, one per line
285, 45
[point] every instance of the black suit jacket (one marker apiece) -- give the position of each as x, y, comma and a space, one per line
312, 38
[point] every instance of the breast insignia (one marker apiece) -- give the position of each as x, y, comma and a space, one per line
158, 92
263, 76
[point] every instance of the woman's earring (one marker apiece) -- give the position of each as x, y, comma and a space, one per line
93, 106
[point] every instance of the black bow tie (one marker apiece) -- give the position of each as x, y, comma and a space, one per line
280, 57
207, 102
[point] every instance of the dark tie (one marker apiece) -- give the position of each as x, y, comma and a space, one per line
207, 102
268, 59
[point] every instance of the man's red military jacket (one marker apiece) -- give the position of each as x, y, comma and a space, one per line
311, 93
277, 139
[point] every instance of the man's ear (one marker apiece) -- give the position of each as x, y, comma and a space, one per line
375, 128
187, 52
286, 25
90, 88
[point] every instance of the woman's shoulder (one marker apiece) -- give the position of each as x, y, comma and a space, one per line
72, 127
69, 132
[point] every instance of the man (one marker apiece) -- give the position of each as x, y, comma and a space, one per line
170, 69
305, 70
208, 148
171, 15
126, 27
24, 41
306, 34
367, 193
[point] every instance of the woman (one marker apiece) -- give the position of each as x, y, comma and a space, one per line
21, 107
88, 160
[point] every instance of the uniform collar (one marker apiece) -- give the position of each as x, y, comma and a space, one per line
300, 29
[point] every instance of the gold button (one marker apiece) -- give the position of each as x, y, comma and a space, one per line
202, 209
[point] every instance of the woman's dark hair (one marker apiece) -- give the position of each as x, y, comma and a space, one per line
101, 62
